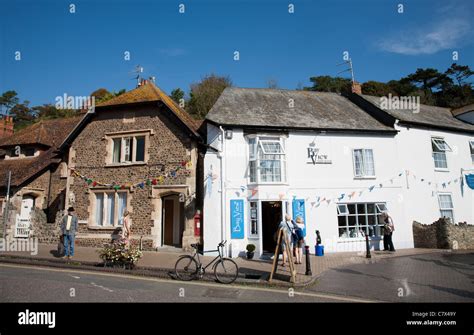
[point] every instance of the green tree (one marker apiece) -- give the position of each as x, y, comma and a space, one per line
203, 95
22, 114
330, 84
460, 73
7, 100
102, 95
177, 95
376, 88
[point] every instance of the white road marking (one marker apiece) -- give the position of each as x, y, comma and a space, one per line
102, 287
261, 289
75, 277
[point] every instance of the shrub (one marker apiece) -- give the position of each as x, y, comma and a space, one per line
118, 253
251, 247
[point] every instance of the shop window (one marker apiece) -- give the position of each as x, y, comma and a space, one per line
253, 218
359, 220
471, 147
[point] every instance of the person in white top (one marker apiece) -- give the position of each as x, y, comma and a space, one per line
126, 229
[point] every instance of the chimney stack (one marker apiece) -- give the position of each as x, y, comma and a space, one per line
6, 126
356, 87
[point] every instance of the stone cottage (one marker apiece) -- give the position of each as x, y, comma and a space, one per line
38, 176
138, 152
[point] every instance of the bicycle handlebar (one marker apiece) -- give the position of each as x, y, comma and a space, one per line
222, 243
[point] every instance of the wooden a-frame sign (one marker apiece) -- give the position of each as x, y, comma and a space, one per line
288, 253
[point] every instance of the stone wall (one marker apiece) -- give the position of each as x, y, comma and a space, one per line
442, 234
168, 146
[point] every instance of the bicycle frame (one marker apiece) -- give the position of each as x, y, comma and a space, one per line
196, 253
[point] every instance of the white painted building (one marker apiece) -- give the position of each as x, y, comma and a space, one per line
335, 161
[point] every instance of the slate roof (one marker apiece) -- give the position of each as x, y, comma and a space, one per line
430, 116
255, 107
149, 92
463, 109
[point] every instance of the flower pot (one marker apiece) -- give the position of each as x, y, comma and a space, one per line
250, 255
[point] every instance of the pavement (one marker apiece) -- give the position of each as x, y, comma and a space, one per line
257, 271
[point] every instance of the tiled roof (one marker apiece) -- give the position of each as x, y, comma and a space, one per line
149, 92
47, 132
271, 108
25, 168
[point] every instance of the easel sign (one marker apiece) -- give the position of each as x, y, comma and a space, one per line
282, 235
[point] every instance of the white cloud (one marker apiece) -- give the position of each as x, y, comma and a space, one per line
445, 34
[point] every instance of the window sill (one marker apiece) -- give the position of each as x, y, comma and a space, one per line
441, 170
254, 237
103, 227
365, 178
125, 164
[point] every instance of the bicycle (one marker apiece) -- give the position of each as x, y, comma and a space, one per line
189, 267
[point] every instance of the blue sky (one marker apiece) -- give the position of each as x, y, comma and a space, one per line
77, 53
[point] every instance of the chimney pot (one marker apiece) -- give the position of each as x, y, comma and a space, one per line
356, 88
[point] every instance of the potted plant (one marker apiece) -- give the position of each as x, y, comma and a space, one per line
250, 250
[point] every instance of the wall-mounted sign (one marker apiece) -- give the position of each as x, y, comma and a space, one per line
470, 180
298, 210
315, 157
237, 219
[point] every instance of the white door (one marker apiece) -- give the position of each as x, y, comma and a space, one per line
27, 204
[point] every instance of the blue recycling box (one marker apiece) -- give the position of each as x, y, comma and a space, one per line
319, 250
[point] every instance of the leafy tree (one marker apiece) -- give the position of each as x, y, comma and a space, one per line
7, 100
102, 95
460, 73
177, 94
330, 84
203, 95
376, 88
22, 115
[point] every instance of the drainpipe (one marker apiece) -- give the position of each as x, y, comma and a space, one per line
223, 191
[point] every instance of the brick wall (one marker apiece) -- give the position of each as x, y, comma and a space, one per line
443, 235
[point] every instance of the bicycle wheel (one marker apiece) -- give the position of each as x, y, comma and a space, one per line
226, 271
186, 268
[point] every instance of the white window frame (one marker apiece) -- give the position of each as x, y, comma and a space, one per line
441, 144
105, 218
256, 220
378, 226
443, 147
364, 167
345, 209
441, 209
471, 147
255, 157
123, 159
379, 205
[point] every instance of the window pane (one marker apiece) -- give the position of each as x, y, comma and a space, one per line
271, 147
140, 155
341, 221
361, 208
445, 201
253, 171
448, 214
116, 150
362, 220
440, 160
352, 221
253, 219
122, 199
370, 208
351, 208
127, 144
369, 162
99, 209
252, 147
358, 162
343, 233
110, 209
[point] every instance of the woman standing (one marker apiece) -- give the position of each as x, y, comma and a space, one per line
125, 234
388, 230
298, 240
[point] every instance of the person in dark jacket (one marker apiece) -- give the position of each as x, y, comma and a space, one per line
68, 230
388, 230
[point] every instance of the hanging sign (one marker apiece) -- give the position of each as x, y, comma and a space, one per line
237, 219
470, 181
298, 210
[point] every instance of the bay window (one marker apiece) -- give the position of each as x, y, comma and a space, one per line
266, 160
471, 146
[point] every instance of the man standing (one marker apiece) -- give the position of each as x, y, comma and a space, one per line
68, 230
